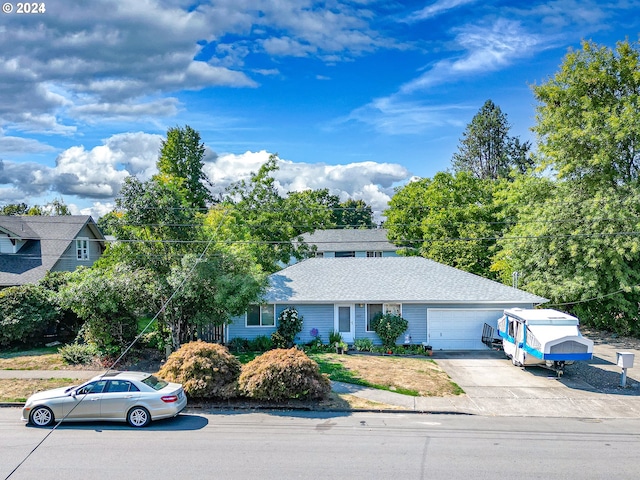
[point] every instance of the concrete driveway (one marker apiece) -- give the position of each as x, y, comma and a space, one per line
494, 386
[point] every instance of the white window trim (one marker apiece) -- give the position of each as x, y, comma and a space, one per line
385, 310
82, 252
246, 317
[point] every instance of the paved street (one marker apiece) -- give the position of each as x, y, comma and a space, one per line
312, 445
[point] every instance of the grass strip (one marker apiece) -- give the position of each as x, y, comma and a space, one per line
338, 373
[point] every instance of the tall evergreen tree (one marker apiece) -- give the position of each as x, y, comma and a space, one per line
486, 149
181, 161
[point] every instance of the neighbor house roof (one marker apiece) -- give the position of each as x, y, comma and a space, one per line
387, 279
47, 238
349, 239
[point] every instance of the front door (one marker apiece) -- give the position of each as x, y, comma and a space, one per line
344, 322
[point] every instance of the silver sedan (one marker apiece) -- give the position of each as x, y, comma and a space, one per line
134, 397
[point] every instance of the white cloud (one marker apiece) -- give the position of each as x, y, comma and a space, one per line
486, 49
99, 172
96, 112
437, 8
396, 116
21, 146
369, 181
286, 46
107, 61
411, 110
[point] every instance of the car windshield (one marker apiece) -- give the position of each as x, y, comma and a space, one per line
154, 382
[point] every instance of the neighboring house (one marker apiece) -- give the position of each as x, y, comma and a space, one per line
345, 243
30, 246
445, 307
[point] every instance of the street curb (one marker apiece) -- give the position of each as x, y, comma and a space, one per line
294, 409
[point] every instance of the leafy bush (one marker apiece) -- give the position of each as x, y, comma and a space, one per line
77, 353
389, 327
109, 302
261, 343
283, 374
334, 337
363, 344
239, 345
289, 325
205, 370
26, 314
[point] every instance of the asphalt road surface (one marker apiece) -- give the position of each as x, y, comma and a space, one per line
313, 445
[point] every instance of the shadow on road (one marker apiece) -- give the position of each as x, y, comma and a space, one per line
183, 422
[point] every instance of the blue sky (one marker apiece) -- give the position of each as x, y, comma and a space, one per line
356, 96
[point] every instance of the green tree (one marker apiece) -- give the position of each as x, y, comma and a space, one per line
486, 149
576, 250
450, 219
108, 223
14, 209
354, 214
588, 117
197, 276
109, 301
54, 207
208, 290
181, 161
272, 222
26, 314
577, 244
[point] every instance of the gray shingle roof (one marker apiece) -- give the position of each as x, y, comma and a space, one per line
47, 239
391, 279
349, 239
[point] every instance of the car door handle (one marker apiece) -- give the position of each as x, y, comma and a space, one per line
128, 396
93, 399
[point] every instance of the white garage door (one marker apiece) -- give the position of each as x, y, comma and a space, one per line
459, 329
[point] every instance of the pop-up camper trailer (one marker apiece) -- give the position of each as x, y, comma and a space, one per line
544, 337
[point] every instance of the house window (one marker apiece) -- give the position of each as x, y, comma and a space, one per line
393, 309
374, 309
345, 254
82, 248
374, 254
261, 316
319, 254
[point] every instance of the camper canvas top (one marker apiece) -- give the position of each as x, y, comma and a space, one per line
543, 316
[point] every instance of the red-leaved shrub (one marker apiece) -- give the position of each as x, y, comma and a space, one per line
282, 374
205, 370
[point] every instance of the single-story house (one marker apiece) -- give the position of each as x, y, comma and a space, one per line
31, 245
446, 308
350, 242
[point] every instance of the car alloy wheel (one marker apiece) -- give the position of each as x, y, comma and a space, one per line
138, 417
42, 416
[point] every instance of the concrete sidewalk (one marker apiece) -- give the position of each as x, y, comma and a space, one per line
46, 374
493, 387
507, 403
